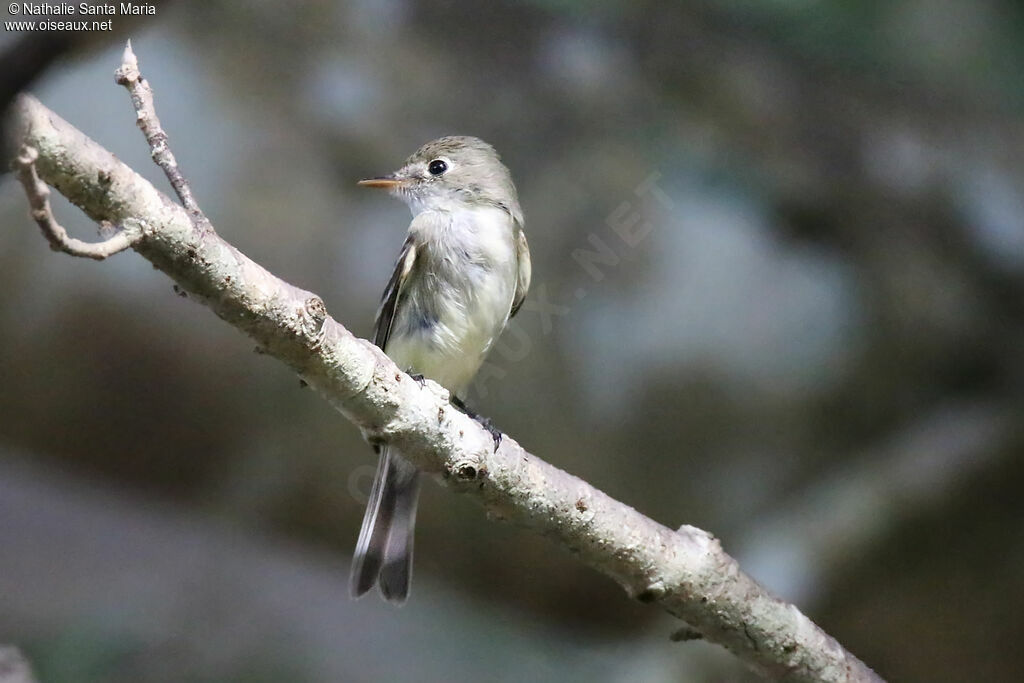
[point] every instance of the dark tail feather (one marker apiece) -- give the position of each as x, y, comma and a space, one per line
396, 572
384, 550
369, 553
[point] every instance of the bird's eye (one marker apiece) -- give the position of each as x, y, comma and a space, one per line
437, 167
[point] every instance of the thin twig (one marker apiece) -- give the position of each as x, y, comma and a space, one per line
130, 77
38, 194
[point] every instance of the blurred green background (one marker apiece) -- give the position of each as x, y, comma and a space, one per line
815, 351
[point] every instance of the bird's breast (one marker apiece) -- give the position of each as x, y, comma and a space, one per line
460, 295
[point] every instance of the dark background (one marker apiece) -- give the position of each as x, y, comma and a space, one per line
815, 352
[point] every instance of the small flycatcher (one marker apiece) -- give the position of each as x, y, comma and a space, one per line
462, 273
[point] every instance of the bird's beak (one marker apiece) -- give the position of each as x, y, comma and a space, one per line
386, 182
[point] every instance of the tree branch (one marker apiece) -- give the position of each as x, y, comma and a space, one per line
685, 571
38, 195
159, 146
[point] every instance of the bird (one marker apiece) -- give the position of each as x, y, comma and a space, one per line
462, 273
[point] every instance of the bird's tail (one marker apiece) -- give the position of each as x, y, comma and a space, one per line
384, 550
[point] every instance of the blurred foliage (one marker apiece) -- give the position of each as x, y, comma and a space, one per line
842, 257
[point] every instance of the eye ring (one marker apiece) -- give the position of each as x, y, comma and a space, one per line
437, 167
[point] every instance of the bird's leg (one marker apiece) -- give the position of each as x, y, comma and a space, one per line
416, 377
458, 403
485, 422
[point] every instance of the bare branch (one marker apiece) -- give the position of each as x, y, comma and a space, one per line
39, 203
686, 571
129, 76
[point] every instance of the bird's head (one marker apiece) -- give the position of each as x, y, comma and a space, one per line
451, 173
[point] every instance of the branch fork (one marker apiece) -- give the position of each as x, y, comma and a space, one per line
38, 194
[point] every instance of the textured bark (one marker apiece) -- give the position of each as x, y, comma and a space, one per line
684, 571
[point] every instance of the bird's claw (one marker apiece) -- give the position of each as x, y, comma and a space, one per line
484, 422
460, 404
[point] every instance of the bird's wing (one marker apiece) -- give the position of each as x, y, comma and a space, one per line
524, 268
393, 293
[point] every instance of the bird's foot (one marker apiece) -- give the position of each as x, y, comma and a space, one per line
458, 403
416, 377
484, 422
